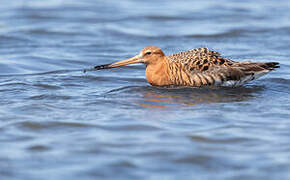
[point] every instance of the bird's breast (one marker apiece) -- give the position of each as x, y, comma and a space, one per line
157, 75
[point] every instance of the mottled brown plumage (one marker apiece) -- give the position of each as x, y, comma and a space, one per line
196, 67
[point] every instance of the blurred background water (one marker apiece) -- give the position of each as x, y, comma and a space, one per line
57, 122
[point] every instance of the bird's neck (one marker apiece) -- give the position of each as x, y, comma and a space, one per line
157, 74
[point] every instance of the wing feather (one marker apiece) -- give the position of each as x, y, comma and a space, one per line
206, 67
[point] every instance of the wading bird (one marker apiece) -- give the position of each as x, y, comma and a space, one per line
195, 68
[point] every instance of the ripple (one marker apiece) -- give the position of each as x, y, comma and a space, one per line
165, 17
14, 84
279, 85
232, 33
45, 32
52, 125
197, 160
47, 86
123, 164
280, 81
37, 126
6, 40
202, 139
112, 79
137, 128
38, 148
50, 97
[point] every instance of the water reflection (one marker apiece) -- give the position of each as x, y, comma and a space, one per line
155, 97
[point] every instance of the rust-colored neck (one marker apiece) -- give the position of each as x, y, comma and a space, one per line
157, 73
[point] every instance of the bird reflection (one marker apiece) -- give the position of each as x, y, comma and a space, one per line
156, 97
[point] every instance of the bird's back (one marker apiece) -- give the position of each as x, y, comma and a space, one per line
203, 67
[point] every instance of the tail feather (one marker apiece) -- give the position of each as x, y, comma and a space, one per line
256, 69
270, 65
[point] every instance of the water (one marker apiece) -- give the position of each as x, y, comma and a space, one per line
59, 123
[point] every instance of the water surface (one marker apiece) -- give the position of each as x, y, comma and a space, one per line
57, 122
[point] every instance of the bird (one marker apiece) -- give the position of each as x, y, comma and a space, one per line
194, 68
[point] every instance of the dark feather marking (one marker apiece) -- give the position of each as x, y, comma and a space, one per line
205, 68
200, 84
221, 77
207, 80
222, 61
212, 78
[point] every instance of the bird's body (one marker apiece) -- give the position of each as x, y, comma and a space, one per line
195, 68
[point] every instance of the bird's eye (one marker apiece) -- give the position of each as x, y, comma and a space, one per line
148, 53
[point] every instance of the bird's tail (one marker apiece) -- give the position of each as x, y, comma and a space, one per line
254, 70
270, 65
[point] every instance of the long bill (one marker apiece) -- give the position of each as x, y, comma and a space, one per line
133, 60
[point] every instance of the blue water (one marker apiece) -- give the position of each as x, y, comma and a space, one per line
58, 123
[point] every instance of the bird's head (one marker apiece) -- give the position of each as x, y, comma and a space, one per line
148, 55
